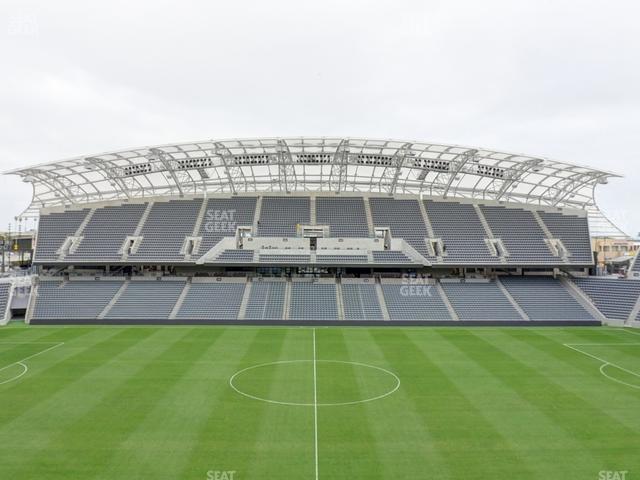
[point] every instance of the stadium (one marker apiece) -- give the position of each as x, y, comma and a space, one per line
319, 308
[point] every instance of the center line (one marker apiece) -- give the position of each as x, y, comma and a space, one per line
315, 401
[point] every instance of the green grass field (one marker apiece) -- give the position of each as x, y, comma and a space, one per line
372, 403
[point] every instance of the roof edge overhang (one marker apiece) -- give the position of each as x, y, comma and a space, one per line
312, 164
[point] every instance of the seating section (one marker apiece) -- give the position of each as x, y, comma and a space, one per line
414, 302
544, 298
313, 301
104, 235
5, 290
615, 298
404, 220
292, 258
340, 259
574, 233
360, 302
521, 235
74, 299
153, 299
345, 215
212, 300
636, 263
541, 298
53, 230
390, 256
235, 256
166, 228
169, 222
480, 301
461, 231
221, 219
266, 300
280, 215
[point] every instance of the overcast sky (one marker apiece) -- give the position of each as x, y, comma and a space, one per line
557, 78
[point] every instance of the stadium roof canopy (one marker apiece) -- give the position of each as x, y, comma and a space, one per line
313, 164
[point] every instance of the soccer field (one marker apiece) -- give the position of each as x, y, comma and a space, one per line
326, 403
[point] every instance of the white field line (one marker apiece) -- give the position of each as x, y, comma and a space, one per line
25, 369
315, 401
605, 363
630, 331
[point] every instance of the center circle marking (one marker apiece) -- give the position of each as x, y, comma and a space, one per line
319, 404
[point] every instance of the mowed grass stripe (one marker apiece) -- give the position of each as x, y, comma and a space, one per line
347, 445
600, 434
467, 442
579, 373
284, 442
109, 423
160, 445
53, 375
404, 444
48, 435
530, 431
227, 440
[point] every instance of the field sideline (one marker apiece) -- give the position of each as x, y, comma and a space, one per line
326, 403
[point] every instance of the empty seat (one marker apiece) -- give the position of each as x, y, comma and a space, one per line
360, 302
105, 233
152, 300
521, 234
5, 290
574, 233
390, 256
615, 298
75, 299
461, 231
414, 302
313, 301
221, 219
479, 301
544, 298
166, 228
346, 216
54, 229
279, 216
266, 300
212, 300
404, 220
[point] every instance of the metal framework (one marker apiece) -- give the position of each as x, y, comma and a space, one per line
313, 165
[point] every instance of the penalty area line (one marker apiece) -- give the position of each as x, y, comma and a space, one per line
20, 362
605, 363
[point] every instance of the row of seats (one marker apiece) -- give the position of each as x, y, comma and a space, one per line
169, 223
615, 298
540, 298
5, 291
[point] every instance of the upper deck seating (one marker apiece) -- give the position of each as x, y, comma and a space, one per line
574, 233
404, 220
166, 228
104, 235
521, 235
346, 216
279, 216
461, 231
53, 230
221, 219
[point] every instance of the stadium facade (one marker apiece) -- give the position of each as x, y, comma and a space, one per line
320, 231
